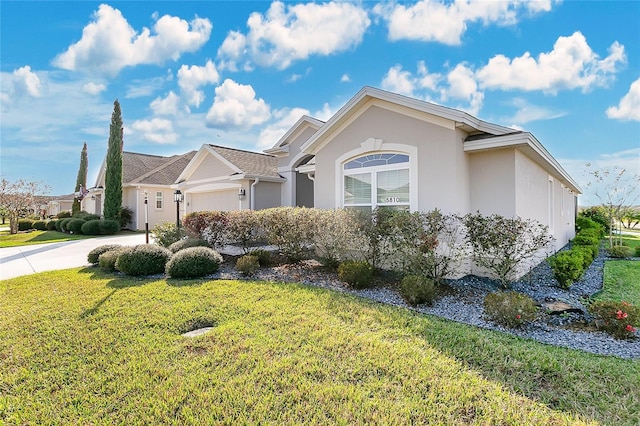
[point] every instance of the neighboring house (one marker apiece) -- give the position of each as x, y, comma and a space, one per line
59, 204
380, 149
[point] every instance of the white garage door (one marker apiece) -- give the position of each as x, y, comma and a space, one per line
217, 200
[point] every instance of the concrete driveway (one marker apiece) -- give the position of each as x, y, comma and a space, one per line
25, 260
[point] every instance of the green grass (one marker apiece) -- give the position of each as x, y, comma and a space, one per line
84, 347
37, 237
621, 282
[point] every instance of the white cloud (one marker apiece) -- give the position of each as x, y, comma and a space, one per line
157, 130
445, 23
463, 86
570, 65
92, 88
345, 78
399, 81
528, 112
235, 106
284, 120
26, 81
190, 79
167, 105
109, 43
288, 33
629, 106
145, 87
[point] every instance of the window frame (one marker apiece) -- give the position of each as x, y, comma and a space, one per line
159, 203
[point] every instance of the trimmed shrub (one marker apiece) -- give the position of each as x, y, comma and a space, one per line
356, 273
186, 243
616, 318
243, 228
25, 224
620, 252
40, 225
208, 225
291, 229
108, 226
591, 232
143, 259
567, 267
585, 240
94, 254
588, 253
510, 309
63, 224
91, 227
417, 289
108, 259
86, 216
265, 257
75, 226
63, 215
166, 233
336, 237
126, 216
51, 225
247, 264
193, 262
599, 215
584, 223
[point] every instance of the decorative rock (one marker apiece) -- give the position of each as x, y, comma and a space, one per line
558, 307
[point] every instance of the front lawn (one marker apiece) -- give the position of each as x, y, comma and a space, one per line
37, 237
621, 282
84, 347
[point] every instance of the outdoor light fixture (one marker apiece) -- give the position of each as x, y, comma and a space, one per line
241, 194
177, 197
146, 216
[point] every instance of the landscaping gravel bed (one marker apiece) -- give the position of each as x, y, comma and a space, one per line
464, 302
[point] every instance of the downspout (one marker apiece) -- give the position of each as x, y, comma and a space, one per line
253, 196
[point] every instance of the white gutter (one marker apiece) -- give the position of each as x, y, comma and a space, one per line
253, 196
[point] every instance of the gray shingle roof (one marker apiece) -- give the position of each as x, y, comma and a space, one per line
250, 163
153, 169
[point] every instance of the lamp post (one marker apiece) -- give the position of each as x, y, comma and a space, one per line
146, 216
177, 197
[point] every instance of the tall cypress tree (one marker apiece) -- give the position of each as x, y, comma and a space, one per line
81, 180
113, 173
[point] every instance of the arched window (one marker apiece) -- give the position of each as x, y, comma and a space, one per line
377, 180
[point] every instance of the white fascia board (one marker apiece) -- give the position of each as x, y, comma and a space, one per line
523, 140
243, 176
299, 126
306, 169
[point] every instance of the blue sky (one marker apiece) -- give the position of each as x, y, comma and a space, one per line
239, 74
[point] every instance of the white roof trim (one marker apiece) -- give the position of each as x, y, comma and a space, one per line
303, 122
523, 140
459, 117
199, 157
242, 176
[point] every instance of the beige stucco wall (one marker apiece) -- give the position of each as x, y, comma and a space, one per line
289, 191
210, 167
442, 174
267, 195
492, 182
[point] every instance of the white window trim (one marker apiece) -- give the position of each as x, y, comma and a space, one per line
161, 201
373, 146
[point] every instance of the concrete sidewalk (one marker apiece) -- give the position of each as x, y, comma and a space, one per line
25, 260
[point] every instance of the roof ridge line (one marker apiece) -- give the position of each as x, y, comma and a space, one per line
170, 161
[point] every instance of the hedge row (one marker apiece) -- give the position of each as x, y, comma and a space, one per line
82, 223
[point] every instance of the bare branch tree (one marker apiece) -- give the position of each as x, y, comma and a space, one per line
20, 198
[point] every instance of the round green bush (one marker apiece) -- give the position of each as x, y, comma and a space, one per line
417, 289
143, 259
567, 267
588, 254
74, 226
63, 214
585, 240
186, 243
193, 262
108, 259
63, 224
265, 257
91, 227
51, 225
40, 225
86, 216
620, 252
109, 226
511, 309
94, 254
25, 224
356, 273
247, 264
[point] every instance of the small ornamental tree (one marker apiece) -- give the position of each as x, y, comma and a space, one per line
20, 198
503, 245
81, 181
113, 172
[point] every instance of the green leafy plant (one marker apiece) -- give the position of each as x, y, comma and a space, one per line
108, 259
567, 267
74, 226
243, 228
207, 225
40, 225
193, 262
167, 233
417, 289
247, 264
620, 251
186, 243
143, 259
265, 257
25, 224
356, 273
291, 229
51, 225
94, 254
510, 309
108, 226
63, 224
616, 318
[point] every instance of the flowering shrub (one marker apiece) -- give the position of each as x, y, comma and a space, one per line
616, 318
417, 289
356, 273
511, 309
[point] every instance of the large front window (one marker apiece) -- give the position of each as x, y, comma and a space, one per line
377, 180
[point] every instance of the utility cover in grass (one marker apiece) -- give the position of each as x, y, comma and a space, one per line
198, 332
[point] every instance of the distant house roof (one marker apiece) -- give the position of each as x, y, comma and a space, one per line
153, 169
249, 164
